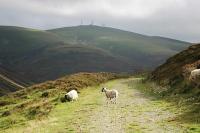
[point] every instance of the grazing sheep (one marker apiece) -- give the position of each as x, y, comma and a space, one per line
110, 94
195, 76
71, 95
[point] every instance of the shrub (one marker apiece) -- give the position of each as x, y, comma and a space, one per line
39, 110
45, 94
3, 103
6, 113
32, 113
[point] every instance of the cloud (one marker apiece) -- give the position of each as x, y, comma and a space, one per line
171, 18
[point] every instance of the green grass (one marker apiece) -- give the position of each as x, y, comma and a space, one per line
134, 127
64, 116
185, 105
38, 101
144, 111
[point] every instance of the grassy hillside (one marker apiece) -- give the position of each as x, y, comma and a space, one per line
11, 81
176, 70
39, 100
19, 47
39, 56
130, 46
10, 84
173, 75
186, 104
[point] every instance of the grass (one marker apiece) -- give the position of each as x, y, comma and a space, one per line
65, 116
38, 101
77, 113
134, 127
175, 72
185, 105
138, 110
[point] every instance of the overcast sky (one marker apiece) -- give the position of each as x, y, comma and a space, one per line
179, 19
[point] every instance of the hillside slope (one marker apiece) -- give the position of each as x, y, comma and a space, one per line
175, 72
38, 100
8, 83
39, 55
130, 46
11, 81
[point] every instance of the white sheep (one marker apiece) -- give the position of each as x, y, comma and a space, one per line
110, 94
71, 95
195, 76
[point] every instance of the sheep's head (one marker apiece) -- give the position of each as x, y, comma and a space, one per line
103, 89
68, 97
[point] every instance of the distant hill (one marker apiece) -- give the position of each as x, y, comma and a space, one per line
145, 51
176, 70
38, 56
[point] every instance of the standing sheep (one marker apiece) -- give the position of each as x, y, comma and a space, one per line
71, 95
110, 94
195, 76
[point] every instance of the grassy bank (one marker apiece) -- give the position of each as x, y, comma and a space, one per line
36, 102
65, 117
188, 104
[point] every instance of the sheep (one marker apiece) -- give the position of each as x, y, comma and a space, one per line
195, 76
110, 94
71, 95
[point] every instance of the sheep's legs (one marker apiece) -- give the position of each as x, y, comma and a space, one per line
107, 100
115, 100
112, 101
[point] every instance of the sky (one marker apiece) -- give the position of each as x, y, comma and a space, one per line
178, 19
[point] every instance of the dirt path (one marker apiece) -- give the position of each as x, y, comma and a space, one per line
133, 113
